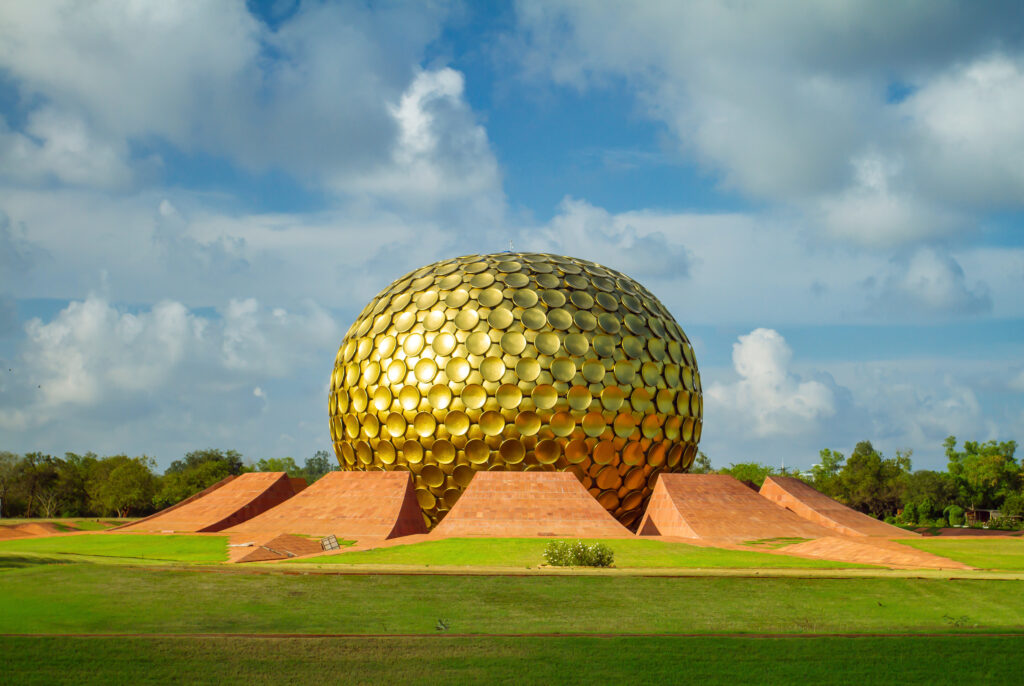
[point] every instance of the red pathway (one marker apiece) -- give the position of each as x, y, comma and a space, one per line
717, 506
352, 505
228, 503
814, 506
527, 504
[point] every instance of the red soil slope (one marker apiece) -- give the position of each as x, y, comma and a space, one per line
227, 504
793, 494
717, 506
348, 505
528, 504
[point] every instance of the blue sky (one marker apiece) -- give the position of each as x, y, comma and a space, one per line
197, 198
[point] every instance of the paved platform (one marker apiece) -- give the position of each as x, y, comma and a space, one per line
352, 505
528, 504
280, 547
717, 506
871, 551
225, 504
814, 506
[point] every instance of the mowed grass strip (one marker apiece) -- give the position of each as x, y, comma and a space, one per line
87, 598
983, 553
529, 552
171, 547
706, 661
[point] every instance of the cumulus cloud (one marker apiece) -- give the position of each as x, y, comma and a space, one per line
440, 152
583, 230
969, 133
869, 212
338, 85
96, 357
58, 147
792, 103
769, 399
930, 282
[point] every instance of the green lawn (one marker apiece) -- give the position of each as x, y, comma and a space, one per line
705, 661
177, 548
85, 598
528, 552
983, 553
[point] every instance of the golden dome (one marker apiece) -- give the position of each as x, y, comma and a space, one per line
517, 361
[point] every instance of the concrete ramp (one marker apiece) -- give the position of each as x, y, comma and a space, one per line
528, 504
814, 506
227, 503
347, 504
718, 507
871, 551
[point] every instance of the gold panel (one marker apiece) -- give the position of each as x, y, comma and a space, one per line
544, 396
474, 396
509, 396
517, 361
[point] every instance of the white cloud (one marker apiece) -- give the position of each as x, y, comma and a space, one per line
869, 212
590, 232
930, 282
94, 357
440, 153
768, 399
969, 130
333, 96
792, 102
1017, 382
67, 151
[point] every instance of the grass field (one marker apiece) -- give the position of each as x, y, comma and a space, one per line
176, 548
432, 660
222, 624
529, 552
983, 553
86, 598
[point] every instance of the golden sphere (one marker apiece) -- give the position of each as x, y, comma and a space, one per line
517, 361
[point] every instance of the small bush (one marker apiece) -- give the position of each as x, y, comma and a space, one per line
909, 514
578, 554
955, 513
1004, 524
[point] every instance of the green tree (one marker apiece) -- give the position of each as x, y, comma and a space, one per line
701, 465
278, 464
984, 474
8, 479
198, 470
749, 472
872, 483
35, 477
926, 485
176, 486
825, 474
318, 465
230, 461
73, 483
129, 486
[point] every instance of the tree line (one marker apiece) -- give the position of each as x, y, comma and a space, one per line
978, 476
41, 485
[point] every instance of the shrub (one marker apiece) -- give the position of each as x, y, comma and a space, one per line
578, 554
1004, 524
955, 514
909, 514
